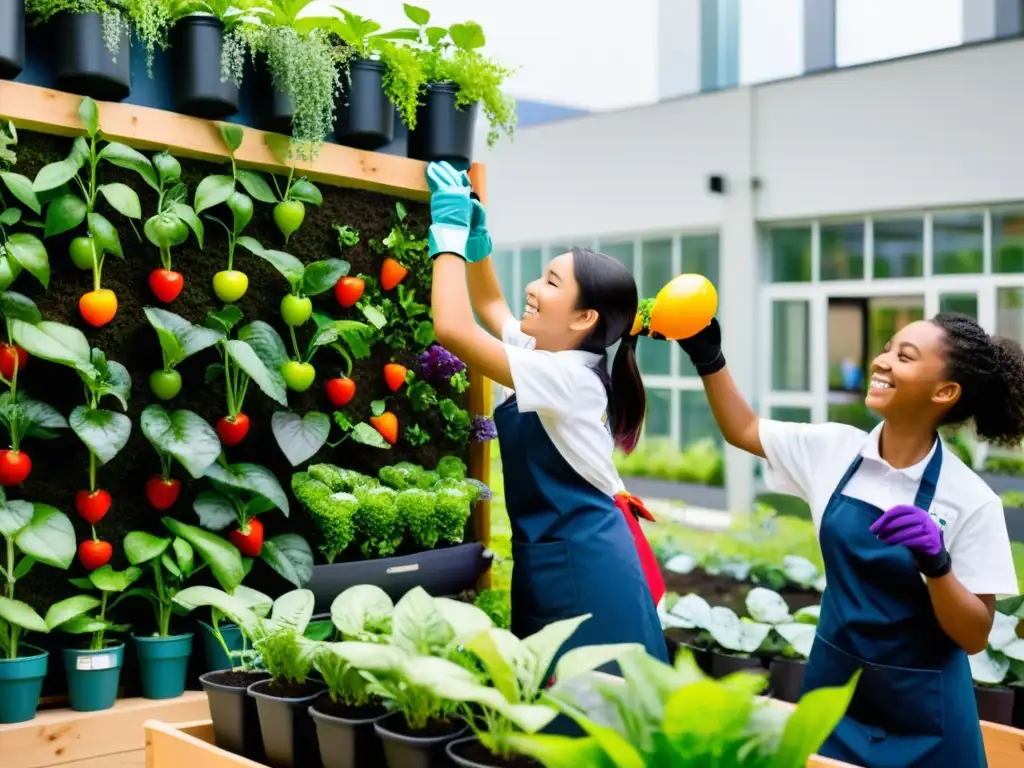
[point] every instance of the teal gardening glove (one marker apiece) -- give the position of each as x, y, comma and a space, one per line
479, 245
451, 210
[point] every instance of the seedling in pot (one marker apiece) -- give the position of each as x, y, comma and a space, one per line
19, 251
68, 207
241, 362
107, 582
179, 339
170, 226
32, 533
181, 436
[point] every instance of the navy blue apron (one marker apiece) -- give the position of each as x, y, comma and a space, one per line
914, 706
572, 550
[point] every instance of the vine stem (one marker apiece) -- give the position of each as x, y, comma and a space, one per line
165, 467
346, 357
99, 636
165, 258
295, 343
92, 477
97, 267
228, 385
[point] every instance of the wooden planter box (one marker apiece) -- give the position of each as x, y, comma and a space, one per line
114, 738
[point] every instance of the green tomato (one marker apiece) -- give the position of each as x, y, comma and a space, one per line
230, 285
288, 216
298, 376
81, 252
165, 384
165, 230
295, 310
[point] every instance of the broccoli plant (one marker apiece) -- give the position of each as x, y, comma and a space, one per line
378, 522
332, 510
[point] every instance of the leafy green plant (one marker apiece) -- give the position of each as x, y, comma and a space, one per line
32, 533
334, 512
181, 436
171, 561
107, 582
19, 250
170, 225
179, 340
1003, 658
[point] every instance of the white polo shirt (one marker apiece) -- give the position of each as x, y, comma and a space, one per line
570, 399
809, 460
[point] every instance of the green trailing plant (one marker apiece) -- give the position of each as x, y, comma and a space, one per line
19, 250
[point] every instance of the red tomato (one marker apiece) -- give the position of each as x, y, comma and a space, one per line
14, 467
232, 431
92, 506
166, 284
340, 391
394, 376
94, 554
349, 290
9, 353
161, 494
250, 540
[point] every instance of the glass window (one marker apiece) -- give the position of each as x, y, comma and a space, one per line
791, 254
790, 346
958, 243
899, 245
964, 303
1010, 313
700, 255
654, 356
659, 413
695, 419
504, 267
1008, 242
847, 324
531, 265
790, 413
621, 252
842, 251
888, 314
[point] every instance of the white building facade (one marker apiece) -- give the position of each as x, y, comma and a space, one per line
853, 199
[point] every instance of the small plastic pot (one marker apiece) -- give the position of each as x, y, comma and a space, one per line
403, 750
213, 653
470, 753
197, 43
346, 742
12, 40
289, 737
995, 703
443, 131
787, 678
236, 720
163, 664
83, 64
93, 677
366, 118
21, 683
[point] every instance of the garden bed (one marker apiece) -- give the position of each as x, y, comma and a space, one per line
728, 592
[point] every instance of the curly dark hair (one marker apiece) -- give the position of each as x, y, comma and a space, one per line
990, 372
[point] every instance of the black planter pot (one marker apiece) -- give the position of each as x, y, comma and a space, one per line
12, 39
83, 64
995, 703
275, 108
366, 119
402, 750
346, 742
1018, 706
196, 46
443, 132
289, 737
441, 572
470, 753
723, 664
679, 639
236, 722
786, 676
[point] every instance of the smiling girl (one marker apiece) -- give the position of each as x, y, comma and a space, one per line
914, 543
575, 536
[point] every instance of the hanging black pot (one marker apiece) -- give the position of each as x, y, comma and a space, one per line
346, 735
443, 132
995, 703
275, 107
786, 678
407, 749
197, 43
12, 39
236, 721
289, 737
83, 64
366, 118
470, 753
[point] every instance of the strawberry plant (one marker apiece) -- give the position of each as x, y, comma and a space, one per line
181, 436
179, 339
19, 250
170, 226
73, 192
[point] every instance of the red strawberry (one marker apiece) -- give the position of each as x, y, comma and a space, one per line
9, 353
166, 284
92, 506
387, 425
95, 553
161, 494
14, 467
349, 290
340, 391
391, 273
248, 539
394, 376
232, 431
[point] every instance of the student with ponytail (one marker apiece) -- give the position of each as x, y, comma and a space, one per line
577, 545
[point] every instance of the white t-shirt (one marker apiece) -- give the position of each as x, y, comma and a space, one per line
570, 399
809, 460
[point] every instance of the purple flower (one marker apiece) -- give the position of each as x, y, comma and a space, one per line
482, 429
439, 365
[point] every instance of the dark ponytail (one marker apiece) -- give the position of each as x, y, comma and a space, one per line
607, 287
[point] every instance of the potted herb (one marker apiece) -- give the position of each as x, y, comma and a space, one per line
994, 668
32, 533
91, 44
94, 672
208, 49
788, 643
12, 39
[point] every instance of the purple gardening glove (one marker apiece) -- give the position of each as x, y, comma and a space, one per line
913, 528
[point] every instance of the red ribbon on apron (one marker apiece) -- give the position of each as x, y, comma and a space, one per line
633, 509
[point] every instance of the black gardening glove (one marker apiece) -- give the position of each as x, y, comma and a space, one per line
705, 349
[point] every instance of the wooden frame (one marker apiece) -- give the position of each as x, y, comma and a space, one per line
55, 112
112, 738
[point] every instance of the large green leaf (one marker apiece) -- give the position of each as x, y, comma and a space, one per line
235, 608
252, 478
320, 276
54, 175
64, 214
300, 437
21, 188
212, 191
183, 435
17, 306
268, 345
224, 559
290, 556
191, 338
215, 510
30, 253
104, 234
289, 266
130, 159
70, 608
122, 199
561, 751
256, 186
115, 379
271, 384
52, 341
104, 432
22, 615
816, 715
106, 579
15, 514
35, 418
141, 547
49, 537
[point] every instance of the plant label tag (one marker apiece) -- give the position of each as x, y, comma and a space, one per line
102, 661
404, 568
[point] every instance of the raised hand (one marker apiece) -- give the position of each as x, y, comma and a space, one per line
451, 209
913, 528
